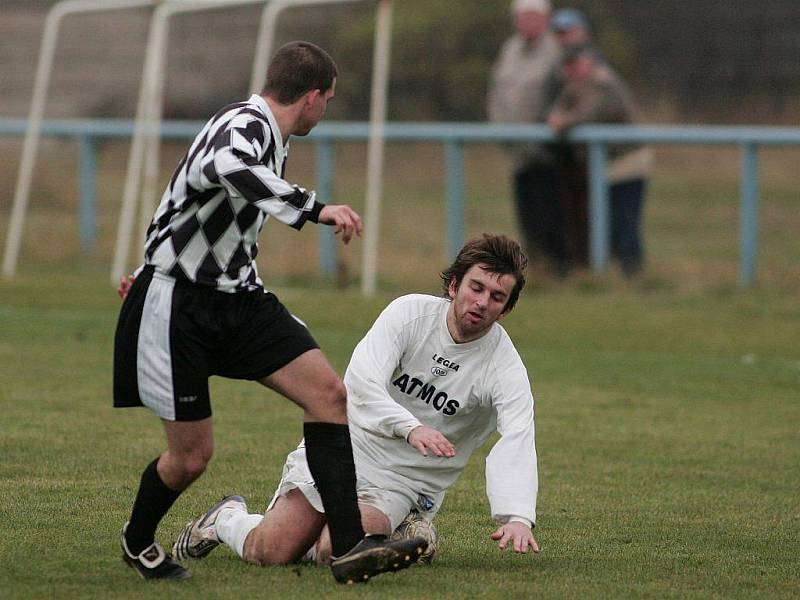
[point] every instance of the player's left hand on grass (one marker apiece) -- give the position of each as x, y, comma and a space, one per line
345, 219
518, 535
125, 285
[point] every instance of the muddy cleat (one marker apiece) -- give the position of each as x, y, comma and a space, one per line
415, 525
199, 537
153, 562
376, 554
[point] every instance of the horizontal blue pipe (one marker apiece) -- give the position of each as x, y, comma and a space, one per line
453, 134
443, 132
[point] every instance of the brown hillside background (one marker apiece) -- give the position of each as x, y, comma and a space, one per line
705, 61
710, 61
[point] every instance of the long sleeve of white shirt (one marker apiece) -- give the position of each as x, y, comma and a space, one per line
371, 366
512, 479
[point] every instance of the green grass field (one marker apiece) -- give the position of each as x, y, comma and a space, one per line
667, 432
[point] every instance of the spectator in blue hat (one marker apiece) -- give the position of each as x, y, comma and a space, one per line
595, 93
571, 26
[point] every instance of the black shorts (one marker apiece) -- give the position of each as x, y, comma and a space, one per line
172, 336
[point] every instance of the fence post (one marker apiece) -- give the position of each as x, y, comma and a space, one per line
599, 237
455, 183
748, 215
327, 242
88, 169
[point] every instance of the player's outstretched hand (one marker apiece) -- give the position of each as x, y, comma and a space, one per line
125, 284
518, 535
427, 439
344, 218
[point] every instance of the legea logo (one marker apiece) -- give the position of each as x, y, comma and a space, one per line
438, 371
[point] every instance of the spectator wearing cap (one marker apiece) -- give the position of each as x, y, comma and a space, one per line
571, 27
594, 93
519, 93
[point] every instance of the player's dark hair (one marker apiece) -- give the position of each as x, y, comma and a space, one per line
495, 254
297, 68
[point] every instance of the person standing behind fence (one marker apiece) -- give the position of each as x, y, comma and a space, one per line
594, 93
571, 28
519, 92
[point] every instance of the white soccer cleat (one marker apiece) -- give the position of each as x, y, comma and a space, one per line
417, 526
199, 537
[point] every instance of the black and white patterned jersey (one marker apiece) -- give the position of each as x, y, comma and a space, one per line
219, 197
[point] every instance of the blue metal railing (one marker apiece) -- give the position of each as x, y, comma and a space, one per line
454, 136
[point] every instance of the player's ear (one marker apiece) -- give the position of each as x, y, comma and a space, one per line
311, 96
452, 288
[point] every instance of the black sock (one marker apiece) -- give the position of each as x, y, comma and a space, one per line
330, 459
152, 502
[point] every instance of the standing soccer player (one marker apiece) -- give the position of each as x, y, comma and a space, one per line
197, 308
427, 385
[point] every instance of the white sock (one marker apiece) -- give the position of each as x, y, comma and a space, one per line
232, 527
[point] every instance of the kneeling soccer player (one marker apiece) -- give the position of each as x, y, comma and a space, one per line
426, 386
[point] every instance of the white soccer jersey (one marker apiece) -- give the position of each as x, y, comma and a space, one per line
408, 371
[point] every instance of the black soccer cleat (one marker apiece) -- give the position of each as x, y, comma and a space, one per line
376, 554
153, 562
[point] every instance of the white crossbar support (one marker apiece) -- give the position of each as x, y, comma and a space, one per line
33, 132
375, 147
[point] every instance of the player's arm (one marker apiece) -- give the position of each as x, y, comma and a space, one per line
511, 467
237, 165
371, 368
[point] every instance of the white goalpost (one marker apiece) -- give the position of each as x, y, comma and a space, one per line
141, 180
30, 145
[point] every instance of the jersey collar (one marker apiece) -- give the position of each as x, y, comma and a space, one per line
280, 147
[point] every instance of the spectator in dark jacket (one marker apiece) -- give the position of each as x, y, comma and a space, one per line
594, 93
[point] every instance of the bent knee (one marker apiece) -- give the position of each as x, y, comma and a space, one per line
331, 402
193, 465
265, 554
337, 396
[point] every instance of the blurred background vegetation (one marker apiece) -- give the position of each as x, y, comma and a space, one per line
710, 61
707, 61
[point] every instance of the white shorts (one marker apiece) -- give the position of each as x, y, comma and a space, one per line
395, 503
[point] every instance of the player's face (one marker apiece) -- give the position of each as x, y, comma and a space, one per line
477, 302
314, 109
